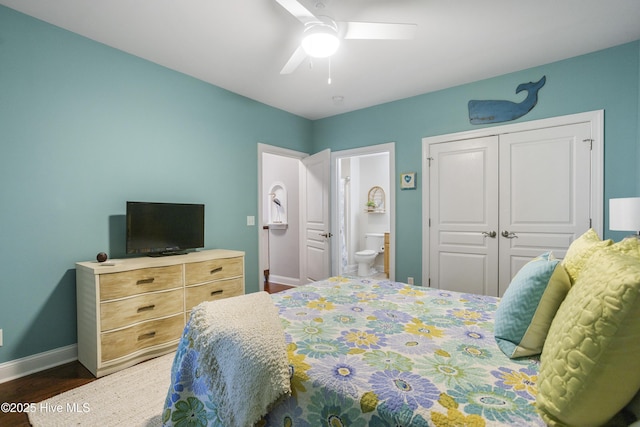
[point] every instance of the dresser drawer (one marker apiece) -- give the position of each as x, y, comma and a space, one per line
212, 291
206, 271
140, 336
127, 283
120, 313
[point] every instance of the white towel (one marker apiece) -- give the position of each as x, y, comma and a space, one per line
243, 353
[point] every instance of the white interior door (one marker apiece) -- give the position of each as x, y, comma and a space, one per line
545, 177
316, 255
463, 189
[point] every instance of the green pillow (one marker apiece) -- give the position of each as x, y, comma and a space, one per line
528, 306
581, 250
590, 367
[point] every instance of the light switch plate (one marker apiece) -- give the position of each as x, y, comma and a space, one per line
251, 220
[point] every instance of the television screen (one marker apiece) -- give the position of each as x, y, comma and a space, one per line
164, 228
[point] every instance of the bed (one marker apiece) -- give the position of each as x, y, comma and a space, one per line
366, 352
559, 348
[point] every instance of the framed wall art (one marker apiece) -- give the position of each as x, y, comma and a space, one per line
408, 181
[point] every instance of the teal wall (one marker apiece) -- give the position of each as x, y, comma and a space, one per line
84, 127
607, 80
638, 124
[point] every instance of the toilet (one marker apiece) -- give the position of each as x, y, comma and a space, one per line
374, 244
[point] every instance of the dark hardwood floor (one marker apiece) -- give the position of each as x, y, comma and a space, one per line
42, 385
272, 288
37, 387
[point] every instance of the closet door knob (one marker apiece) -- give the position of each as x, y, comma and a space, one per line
491, 234
509, 234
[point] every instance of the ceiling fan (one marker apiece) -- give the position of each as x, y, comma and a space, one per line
321, 35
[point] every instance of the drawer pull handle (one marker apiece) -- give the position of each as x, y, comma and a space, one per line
218, 292
216, 270
146, 336
146, 308
145, 281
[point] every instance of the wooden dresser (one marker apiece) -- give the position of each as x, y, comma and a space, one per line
136, 309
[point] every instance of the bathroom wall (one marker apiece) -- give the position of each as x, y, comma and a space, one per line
374, 171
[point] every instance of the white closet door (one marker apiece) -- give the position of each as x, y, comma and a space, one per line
545, 178
463, 188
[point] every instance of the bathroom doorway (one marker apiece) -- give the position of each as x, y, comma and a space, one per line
363, 204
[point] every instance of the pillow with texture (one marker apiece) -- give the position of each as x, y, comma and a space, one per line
590, 367
528, 306
581, 250
629, 246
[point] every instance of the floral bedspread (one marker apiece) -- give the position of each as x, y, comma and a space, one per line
380, 353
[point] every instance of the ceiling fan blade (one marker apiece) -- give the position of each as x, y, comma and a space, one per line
296, 59
298, 10
379, 31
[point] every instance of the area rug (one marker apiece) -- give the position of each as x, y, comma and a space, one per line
131, 397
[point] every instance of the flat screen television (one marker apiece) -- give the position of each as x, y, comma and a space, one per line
158, 229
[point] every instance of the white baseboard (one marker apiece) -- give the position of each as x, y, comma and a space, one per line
284, 280
37, 362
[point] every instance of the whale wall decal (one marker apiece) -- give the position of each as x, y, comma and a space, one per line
481, 112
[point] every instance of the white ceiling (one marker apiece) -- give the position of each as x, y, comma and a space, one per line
241, 45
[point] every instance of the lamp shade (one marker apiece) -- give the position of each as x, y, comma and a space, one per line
320, 40
624, 214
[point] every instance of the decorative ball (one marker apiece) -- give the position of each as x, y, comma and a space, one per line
101, 257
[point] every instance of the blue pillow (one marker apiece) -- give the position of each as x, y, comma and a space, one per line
529, 305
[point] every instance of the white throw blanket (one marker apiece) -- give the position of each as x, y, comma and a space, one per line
243, 353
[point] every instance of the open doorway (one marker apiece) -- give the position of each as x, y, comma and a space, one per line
293, 216
279, 214
363, 211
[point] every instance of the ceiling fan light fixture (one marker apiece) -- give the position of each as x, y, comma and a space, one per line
320, 40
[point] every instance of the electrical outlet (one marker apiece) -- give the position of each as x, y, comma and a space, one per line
410, 280
0, 337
